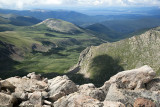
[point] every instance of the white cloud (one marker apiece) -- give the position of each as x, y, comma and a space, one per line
21, 4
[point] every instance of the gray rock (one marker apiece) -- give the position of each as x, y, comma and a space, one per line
77, 100
45, 94
26, 104
131, 79
34, 76
105, 87
20, 95
36, 98
113, 104
7, 85
153, 85
6, 100
135, 78
127, 96
47, 102
45, 80
60, 86
27, 85
46, 106
92, 91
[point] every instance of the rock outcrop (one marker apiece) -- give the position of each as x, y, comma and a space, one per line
137, 87
60, 86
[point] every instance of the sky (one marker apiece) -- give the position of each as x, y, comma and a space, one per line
49, 4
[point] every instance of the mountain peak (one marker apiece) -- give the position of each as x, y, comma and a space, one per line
61, 26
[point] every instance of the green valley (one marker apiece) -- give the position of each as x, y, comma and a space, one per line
42, 48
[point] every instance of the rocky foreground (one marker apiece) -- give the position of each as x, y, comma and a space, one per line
137, 87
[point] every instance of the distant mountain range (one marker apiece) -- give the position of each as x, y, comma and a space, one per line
18, 20
121, 25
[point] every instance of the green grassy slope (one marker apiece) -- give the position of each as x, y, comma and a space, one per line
41, 49
101, 62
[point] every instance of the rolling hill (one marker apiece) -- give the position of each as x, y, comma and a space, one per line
61, 26
101, 62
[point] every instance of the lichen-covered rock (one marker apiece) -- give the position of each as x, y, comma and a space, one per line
113, 104
141, 102
92, 91
6, 100
60, 86
131, 79
135, 78
127, 96
153, 85
77, 100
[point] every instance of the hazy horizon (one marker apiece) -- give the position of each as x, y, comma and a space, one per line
75, 4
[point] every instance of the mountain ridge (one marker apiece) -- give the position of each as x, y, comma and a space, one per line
117, 56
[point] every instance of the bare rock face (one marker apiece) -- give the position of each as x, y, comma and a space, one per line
141, 102
60, 86
135, 78
6, 100
77, 100
113, 104
92, 91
